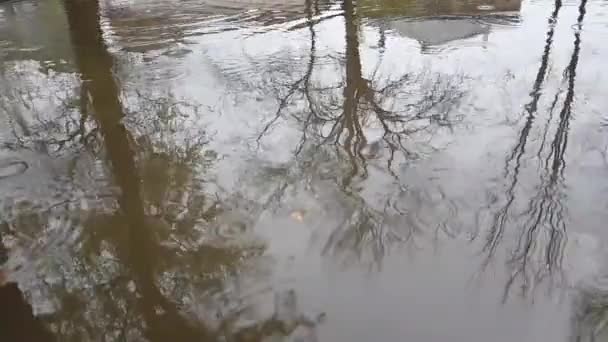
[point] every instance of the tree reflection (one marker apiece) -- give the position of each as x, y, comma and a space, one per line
543, 235
357, 122
342, 115
139, 248
140, 255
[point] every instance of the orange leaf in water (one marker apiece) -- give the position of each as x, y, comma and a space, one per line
298, 216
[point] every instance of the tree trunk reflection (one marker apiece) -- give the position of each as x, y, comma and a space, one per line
163, 320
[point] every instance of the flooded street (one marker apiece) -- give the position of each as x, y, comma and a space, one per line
303, 170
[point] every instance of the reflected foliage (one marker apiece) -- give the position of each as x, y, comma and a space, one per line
139, 257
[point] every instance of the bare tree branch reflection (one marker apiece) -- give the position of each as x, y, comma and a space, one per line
515, 158
357, 122
33, 127
543, 234
342, 119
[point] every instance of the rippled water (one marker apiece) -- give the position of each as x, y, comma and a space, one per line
316, 170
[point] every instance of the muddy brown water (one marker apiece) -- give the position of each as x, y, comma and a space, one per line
304, 170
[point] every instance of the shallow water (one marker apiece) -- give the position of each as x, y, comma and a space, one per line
260, 170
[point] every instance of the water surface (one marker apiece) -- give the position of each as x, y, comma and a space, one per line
316, 170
